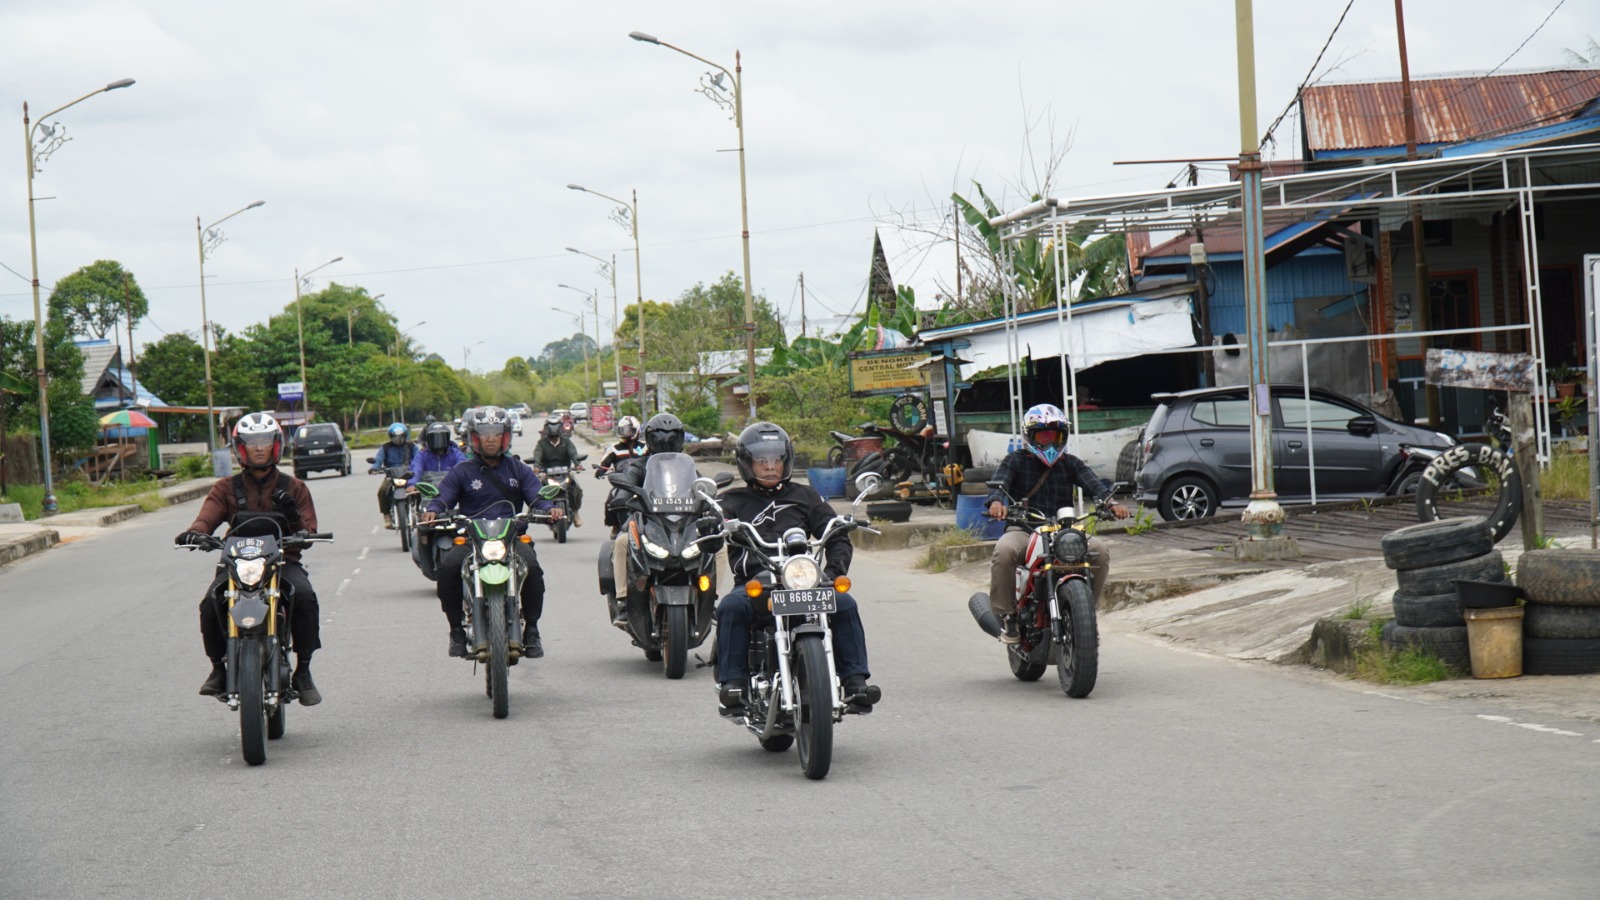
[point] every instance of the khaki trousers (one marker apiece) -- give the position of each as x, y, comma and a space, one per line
1008, 555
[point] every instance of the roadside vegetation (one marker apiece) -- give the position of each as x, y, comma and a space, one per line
933, 558
75, 493
1410, 666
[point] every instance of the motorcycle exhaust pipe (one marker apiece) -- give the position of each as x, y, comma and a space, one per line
978, 605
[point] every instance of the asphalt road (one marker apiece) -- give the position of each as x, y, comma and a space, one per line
1182, 775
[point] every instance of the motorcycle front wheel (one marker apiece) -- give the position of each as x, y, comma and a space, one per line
497, 674
813, 715
402, 523
1079, 640
251, 680
676, 657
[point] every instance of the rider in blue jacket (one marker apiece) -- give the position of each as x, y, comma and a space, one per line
439, 452
398, 451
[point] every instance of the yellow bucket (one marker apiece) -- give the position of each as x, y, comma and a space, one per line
1494, 641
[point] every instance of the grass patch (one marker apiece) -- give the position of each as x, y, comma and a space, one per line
1409, 666
74, 495
932, 559
1357, 609
1143, 521
1568, 476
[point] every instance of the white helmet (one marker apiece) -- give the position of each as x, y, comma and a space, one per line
255, 430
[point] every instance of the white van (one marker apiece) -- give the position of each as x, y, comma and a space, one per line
579, 411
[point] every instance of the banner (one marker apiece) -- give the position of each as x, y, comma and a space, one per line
887, 372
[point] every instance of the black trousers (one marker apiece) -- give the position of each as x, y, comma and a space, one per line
449, 587
304, 630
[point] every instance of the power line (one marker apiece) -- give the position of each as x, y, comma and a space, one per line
1309, 72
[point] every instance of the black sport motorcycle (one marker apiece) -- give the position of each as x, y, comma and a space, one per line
560, 477
675, 559
258, 685
793, 696
432, 539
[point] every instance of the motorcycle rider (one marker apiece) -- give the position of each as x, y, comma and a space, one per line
773, 503
439, 453
258, 445
662, 434
397, 451
1040, 475
626, 447
492, 476
556, 449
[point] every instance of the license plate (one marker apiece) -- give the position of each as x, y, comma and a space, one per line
316, 452
672, 504
800, 603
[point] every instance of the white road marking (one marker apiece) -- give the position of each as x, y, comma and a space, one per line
1544, 729
342, 585
363, 554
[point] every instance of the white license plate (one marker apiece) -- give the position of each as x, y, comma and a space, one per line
316, 452
801, 603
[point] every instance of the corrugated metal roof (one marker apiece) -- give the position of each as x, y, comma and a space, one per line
1448, 110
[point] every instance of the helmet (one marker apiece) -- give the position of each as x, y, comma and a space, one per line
763, 440
430, 419
436, 437
489, 420
1045, 428
552, 426
663, 434
627, 428
399, 433
255, 430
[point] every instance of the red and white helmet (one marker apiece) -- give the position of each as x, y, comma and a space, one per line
256, 430
627, 428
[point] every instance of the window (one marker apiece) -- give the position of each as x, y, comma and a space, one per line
1319, 413
1225, 411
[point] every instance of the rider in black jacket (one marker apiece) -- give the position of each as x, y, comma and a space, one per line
774, 504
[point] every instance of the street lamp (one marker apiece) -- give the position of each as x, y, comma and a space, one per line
300, 330
208, 239
616, 319
465, 351
629, 211
53, 137
350, 319
591, 299
712, 87
400, 383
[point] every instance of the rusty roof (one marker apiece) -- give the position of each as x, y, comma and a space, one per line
1448, 109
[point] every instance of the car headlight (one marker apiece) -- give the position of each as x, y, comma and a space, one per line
655, 549
249, 571
494, 551
801, 573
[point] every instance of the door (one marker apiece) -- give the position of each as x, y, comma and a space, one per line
1346, 462
1219, 435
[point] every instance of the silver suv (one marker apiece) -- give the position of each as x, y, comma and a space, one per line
1195, 452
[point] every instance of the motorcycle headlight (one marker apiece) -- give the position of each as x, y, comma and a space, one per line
1070, 546
494, 551
249, 571
691, 551
801, 573
655, 549
400, 482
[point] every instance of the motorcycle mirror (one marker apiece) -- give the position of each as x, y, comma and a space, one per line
723, 479
582, 457
704, 484
372, 459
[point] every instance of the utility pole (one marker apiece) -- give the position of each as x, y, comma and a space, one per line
1420, 301
802, 304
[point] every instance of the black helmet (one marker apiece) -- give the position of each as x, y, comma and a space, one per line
663, 434
488, 420
552, 426
436, 437
763, 440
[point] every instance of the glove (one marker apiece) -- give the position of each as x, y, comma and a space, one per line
283, 503
191, 539
708, 525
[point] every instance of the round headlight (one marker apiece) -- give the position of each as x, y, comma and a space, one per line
1070, 546
801, 573
494, 551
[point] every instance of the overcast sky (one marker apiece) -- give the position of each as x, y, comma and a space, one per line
429, 144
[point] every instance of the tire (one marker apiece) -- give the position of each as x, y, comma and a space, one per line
1448, 644
1128, 462
1078, 662
897, 465
1187, 497
402, 523
1560, 577
1428, 610
1546, 656
653, 654
1561, 622
278, 717
1441, 579
499, 654
251, 680
1440, 474
1437, 543
561, 530
777, 743
1022, 667
835, 460
676, 657
813, 719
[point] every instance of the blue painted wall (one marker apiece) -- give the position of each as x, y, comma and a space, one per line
1314, 273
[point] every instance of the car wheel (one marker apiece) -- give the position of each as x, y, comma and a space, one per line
1187, 497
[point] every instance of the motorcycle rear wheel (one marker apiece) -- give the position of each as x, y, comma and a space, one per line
1021, 666
813, 715
498, 669
1078, 652
251, 680
402, 522
676, 656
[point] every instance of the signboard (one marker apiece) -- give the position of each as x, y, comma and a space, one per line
887, 372
600, 417
630, 385
1482, 370
291, 390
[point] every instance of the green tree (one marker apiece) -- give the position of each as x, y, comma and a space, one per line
94, 299
63, 363
173, 369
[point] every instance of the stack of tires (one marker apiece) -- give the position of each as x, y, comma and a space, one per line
1561, 621
1428, 559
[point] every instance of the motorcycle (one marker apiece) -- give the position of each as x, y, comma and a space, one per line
258, 684
793, 696
916, 462
1055, 600
562, 478
432, 540
491, 581
676, 608
400, 508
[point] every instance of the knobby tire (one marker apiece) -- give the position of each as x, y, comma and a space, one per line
494, 608
252, 703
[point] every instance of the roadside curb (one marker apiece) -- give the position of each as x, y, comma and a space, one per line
19, 546
25, 545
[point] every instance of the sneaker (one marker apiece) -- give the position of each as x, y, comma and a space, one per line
302, 683
532, 647
217, 681
577, 520
1008, 630
458, 642
860, 696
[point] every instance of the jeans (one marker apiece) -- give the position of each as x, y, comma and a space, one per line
736, 614
304, 631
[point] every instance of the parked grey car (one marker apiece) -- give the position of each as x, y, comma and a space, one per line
1195, 452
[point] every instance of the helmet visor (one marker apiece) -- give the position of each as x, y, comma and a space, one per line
258, 439
1049, 437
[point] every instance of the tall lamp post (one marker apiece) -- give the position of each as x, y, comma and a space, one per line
591, 299
630, 211
399, 339
712, 87
465, 353
208, 239
616, 319
300, 330
52, 137
350, 319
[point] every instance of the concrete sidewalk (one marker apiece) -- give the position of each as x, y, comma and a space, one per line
19, 540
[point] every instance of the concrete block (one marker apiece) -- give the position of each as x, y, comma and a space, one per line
11, 512
1258, 549
1337, 643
